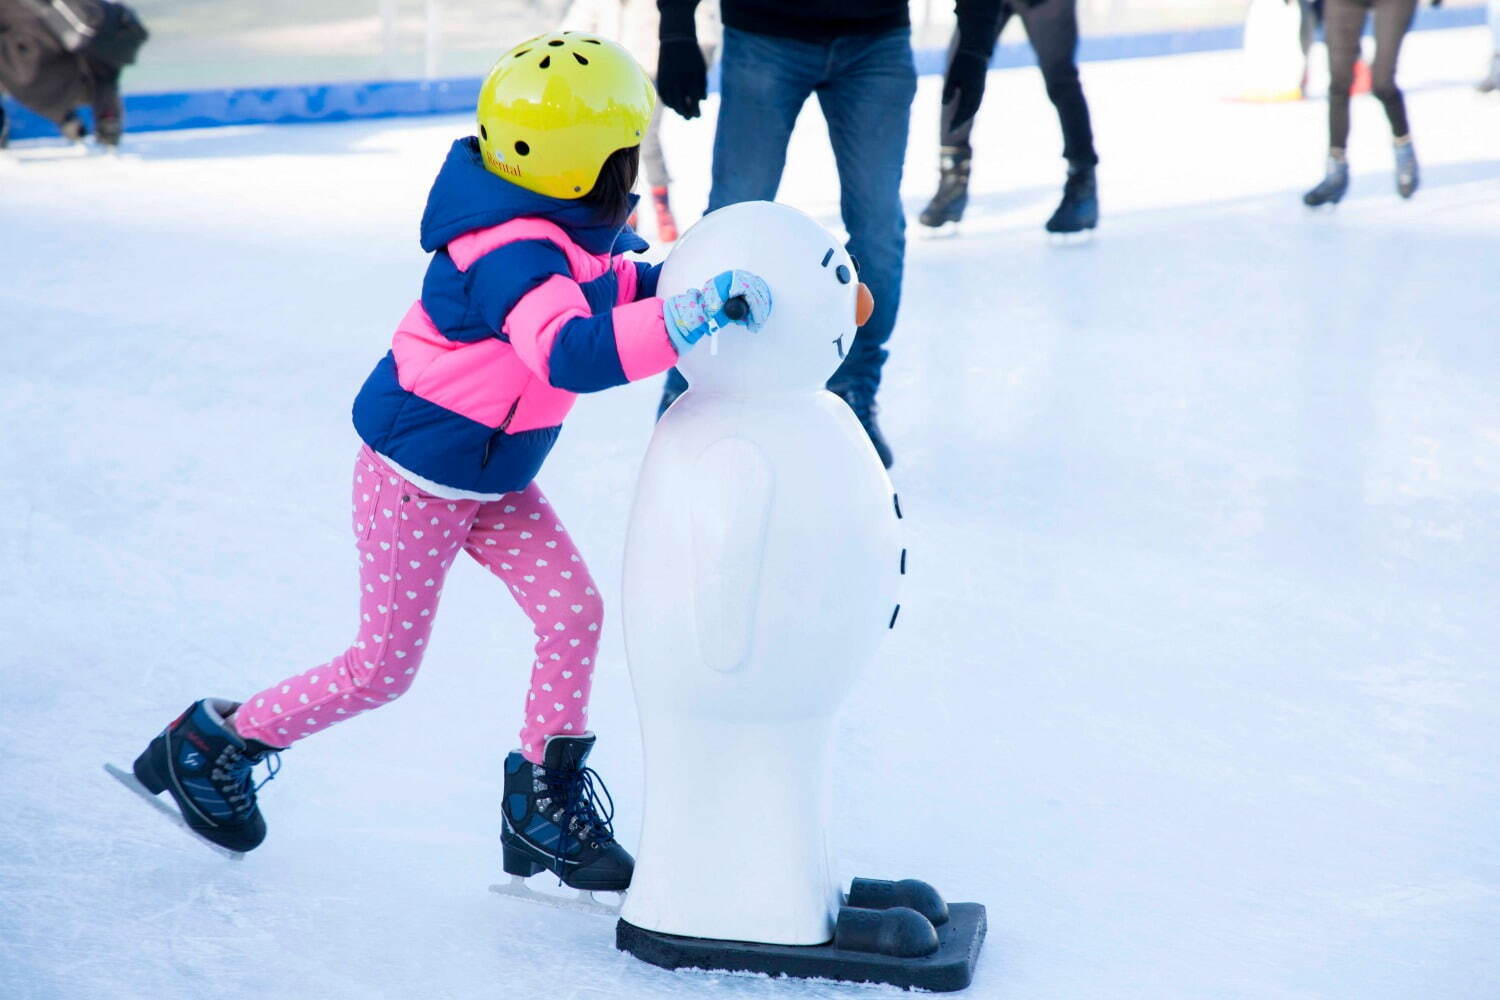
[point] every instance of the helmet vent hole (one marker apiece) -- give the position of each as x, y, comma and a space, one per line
522, 53
581, 61
483, 134
546, 61
522, 147
555, 42
592, 41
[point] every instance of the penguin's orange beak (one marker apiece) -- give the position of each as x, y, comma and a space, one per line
864, 304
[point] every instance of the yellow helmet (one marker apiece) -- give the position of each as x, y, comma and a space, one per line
554, 108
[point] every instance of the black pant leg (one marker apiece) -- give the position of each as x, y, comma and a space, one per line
1392, 19
1343, 22
1052, 28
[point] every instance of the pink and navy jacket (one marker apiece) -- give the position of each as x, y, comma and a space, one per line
527, 302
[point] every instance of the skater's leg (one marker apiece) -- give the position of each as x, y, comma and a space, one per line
653, 160
764, 82
406, 540
954, 152
1392, 19
1307, 28
522, 540
1343, 22
1052, 28
867, 103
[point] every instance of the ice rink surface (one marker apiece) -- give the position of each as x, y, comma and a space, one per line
1195, 682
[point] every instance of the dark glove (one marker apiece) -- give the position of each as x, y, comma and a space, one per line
964, 84
978, 24
681, 75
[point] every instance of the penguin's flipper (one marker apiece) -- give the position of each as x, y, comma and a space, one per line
731, 505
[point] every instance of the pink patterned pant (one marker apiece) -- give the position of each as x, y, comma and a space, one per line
408, 539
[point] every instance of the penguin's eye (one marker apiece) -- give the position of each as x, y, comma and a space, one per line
841, 271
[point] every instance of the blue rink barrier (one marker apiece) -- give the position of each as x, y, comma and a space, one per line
333, 102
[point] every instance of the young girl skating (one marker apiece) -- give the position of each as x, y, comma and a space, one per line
527, 301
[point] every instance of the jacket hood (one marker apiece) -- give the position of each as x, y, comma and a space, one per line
466, 196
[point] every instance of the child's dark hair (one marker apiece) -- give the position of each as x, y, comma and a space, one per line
610, 197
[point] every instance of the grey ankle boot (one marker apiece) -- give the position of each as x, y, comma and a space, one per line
1333, 185
1407, 175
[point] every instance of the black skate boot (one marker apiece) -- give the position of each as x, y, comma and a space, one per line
205, 766
862, 402
1331, 188
552, 819
1407, 175
952, 196
1079, 209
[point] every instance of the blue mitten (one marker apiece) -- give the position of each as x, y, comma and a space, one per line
731, 297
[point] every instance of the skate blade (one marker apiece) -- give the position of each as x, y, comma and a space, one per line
129, 781
584, 902
946, 231
1083, 237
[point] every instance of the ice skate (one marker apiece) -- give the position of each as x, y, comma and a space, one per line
1407, 175
1491, 82
552, 823
1330, 190
666, 225
1079, 209
943, 212
205, 766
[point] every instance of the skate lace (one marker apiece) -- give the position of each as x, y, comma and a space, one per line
586, 817
233, 775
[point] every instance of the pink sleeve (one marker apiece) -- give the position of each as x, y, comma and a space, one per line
534, 322
625, 277
562, 343
641, 338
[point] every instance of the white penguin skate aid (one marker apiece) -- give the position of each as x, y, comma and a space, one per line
761, 569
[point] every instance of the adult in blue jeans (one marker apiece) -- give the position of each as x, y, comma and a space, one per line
856, 56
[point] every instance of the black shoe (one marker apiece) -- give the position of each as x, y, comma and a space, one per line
552, 819
862, 402
73, 128
1330, 190
953, 190
205, 767
1079, 209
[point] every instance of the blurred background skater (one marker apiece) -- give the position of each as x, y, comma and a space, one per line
635, 24
59, 55
856, 56
1343, 23
1492, 82
1052, 28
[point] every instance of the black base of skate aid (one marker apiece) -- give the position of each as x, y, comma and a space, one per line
897, 933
